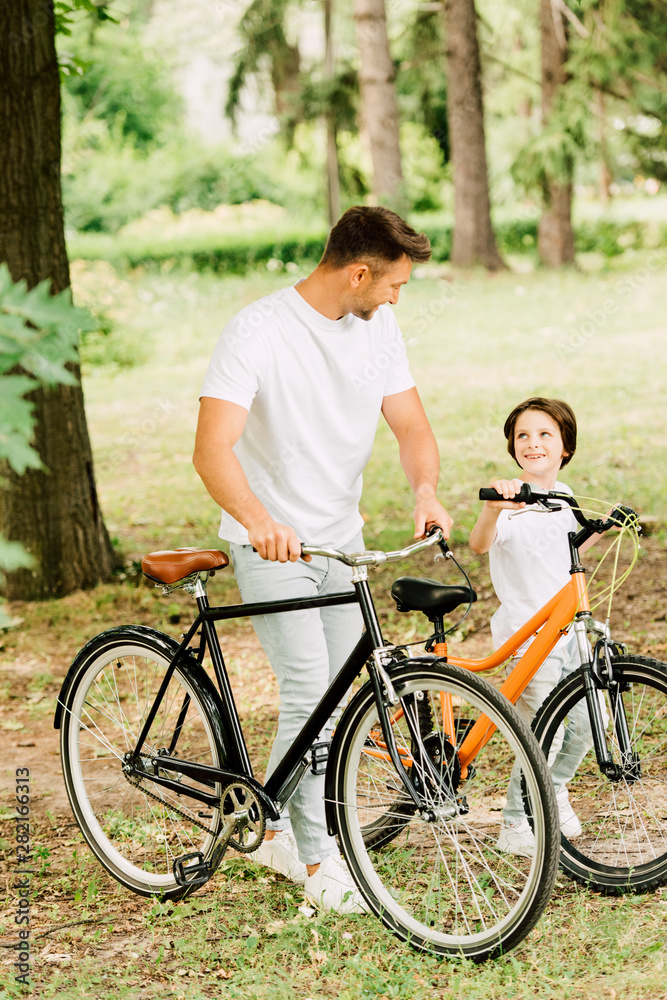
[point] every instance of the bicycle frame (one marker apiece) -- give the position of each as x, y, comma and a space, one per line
291, 768
547, 625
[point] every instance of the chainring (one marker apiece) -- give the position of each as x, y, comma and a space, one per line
239, 799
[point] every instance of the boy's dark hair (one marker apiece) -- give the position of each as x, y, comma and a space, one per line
375, 236
559, 412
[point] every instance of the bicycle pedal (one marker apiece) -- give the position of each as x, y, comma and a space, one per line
191, 869
319, 755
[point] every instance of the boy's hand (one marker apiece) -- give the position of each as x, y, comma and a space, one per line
509, 488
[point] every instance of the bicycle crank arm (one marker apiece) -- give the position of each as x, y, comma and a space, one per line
193, 870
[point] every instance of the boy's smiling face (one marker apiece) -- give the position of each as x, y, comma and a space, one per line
538, 445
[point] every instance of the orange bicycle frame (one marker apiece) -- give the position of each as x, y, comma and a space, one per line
547, 625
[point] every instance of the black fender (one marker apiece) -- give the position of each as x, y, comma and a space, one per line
112, 635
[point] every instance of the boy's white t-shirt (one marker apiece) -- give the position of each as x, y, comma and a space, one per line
529, 562
313, 388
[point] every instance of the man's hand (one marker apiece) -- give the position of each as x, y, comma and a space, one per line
428, 511
275, 542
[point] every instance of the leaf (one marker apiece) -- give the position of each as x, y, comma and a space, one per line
19, 453
14, 556
39, 333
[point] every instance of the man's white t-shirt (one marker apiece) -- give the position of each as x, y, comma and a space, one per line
529, 563
313, 388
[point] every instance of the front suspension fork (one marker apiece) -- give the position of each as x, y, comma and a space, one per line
599, 674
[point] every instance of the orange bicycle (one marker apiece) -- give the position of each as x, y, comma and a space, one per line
604, 727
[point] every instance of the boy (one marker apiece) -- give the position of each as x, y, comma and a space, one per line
529, 561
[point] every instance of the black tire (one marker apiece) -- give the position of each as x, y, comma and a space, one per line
443, 885
137, 829
623, 842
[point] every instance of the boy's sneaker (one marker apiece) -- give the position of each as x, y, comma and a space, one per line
570, 826
517, 839
332, 888
281, 854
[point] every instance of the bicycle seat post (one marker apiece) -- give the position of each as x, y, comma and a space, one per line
197, 589
438, 642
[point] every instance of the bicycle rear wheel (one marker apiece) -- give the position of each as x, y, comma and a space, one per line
622, 846
441, 883
136, 827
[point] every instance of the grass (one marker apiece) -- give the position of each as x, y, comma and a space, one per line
246, 938
478, 344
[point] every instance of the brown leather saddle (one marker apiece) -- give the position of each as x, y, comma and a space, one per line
172, 565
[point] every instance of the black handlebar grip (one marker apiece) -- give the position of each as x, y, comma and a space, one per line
525, 494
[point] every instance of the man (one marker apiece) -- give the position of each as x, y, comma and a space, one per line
289, 410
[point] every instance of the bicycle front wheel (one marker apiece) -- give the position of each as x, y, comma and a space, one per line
442, 883
135, 826
620, 841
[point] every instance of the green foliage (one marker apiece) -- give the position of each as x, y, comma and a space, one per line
123, 83
108, 181
551, 153
223, 251
65, 11
421, 82
622, 53
617, 71
38, 340
126, 149
263, 37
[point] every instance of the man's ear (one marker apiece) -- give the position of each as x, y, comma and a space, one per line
358, 273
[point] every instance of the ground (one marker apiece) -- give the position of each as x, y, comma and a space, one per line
77, 911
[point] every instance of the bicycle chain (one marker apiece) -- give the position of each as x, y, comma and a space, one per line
175, 809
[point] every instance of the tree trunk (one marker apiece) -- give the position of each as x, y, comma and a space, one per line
555, 240
55, 514
333, 175
285, 68
378, 97
474, 241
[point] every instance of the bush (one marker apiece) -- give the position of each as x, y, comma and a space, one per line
224, 243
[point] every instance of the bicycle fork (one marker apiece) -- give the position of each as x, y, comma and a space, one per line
599, 675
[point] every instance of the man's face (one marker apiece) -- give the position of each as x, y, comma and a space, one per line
373, 292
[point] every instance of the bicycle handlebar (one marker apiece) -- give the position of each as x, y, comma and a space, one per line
377, 558
528, 494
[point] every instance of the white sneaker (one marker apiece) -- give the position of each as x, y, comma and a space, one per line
518, 839
332, 888
281, 854
570, 826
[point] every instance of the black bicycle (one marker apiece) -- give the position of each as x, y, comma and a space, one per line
160, 781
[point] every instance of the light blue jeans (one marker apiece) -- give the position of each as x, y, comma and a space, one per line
306, 650
571, 743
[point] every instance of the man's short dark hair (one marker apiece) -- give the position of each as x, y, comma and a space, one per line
561, 414
375, 236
